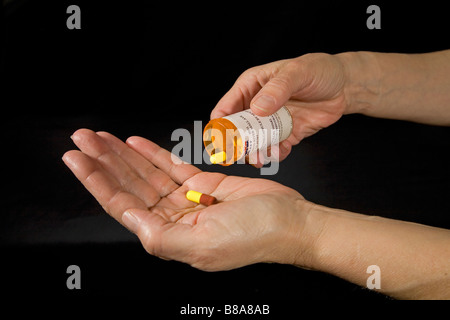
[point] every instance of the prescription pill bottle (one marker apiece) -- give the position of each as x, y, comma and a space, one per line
232, 138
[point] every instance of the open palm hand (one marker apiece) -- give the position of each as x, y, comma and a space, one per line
247, 225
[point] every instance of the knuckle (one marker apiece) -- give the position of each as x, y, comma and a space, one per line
281, 83
244, 91
111, 203
250, 72
294, 64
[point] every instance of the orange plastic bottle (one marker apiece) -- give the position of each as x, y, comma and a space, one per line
232, 138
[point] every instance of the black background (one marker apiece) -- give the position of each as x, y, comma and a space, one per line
146, 68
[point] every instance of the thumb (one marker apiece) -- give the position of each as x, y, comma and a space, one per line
272, 96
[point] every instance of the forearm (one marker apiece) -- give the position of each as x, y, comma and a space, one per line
413, 258
412, 87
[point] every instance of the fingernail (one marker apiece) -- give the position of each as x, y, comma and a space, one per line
130, 221
264, 103
67, 160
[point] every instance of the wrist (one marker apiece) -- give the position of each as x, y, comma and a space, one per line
303, 235
362, 86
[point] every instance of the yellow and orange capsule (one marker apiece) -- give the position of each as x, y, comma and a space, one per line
200, 198
218, 158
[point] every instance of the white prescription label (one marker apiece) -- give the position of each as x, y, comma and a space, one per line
258, 133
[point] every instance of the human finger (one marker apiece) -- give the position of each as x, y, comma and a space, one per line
241, 93
178, 171
101, 184
160, 181
94, 146
277, 90
276, 153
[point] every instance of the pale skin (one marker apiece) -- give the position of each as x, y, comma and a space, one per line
258, 220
